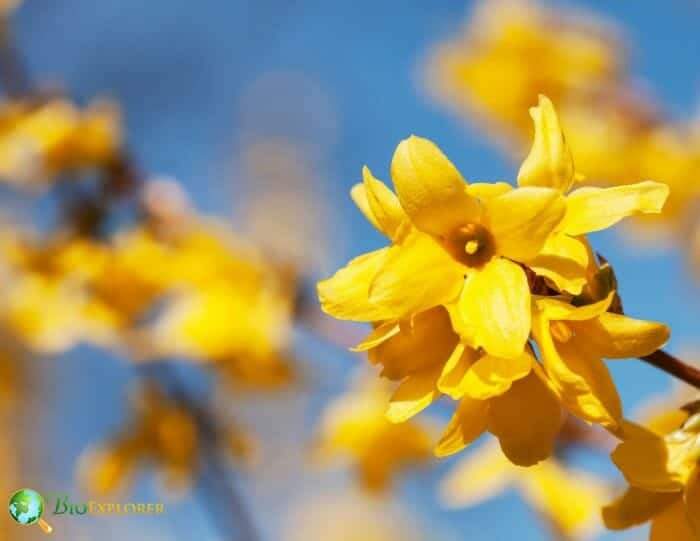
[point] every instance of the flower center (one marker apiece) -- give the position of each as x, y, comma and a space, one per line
560, 331
471, 244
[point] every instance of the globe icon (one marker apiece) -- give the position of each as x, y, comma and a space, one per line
26, 506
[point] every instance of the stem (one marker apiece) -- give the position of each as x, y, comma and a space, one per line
214, 476
674, 366
13, 73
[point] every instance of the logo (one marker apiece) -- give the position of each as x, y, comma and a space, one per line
26, 507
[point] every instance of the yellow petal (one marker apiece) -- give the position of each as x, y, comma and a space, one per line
416, 275
431, 190
384, 205
453, 374
672, 525
594, 209
644, 461
564, 261
549, 163
691, 497
496, 302
522, 219
478, 477
378, 336
634, 507
619, 337
487, 190
580, 378
428, 342
465, 426
556, 310
414, 394
346, 294
492, 376
526, 420
358, 193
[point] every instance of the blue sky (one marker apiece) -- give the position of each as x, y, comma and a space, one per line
180, 70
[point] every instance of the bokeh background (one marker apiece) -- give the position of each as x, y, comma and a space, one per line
201, 84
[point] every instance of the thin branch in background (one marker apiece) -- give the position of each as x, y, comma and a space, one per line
674, 366
13, 73
214, 473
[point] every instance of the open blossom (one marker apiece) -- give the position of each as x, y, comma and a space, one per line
662, 466
477, 271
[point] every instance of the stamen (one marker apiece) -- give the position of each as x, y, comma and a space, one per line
470, 244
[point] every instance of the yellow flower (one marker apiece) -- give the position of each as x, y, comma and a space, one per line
564, 258
463, 247
514, 49
244, 329
354, 427
664, 473
39, 143
572, 341
45, 302
161, 432
568, 499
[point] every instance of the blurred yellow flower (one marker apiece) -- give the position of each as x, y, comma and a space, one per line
161, 432
39, 142
354, 427
513, 50
567, 499
45, 301
663, 468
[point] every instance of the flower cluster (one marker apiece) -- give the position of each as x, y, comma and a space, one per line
492, 296
177, 290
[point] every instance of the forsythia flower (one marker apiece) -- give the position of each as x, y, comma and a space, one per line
663, 468
475, 270
354, 426
41, 141
568, 499
162, 432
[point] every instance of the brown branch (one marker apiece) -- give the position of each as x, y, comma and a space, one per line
674, 366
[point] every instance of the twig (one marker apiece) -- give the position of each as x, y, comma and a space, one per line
674, 366
214, 474
13, 74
